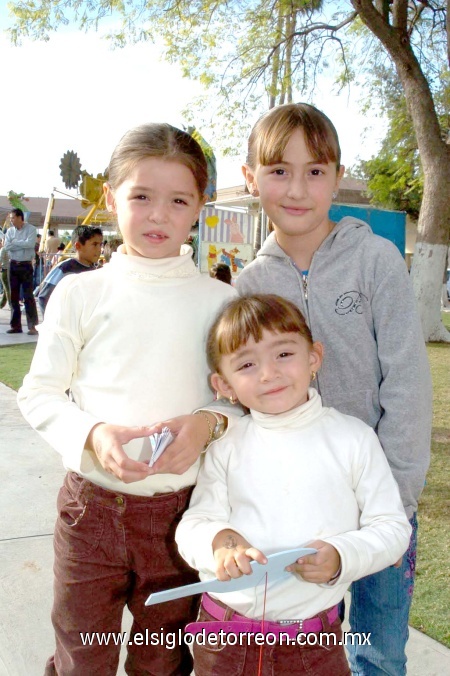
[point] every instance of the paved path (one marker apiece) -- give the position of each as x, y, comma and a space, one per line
15, 338
31, 473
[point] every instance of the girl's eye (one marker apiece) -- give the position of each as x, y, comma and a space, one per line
245, 366
316, 172
178, 200
285, 354
279, 172
140, 197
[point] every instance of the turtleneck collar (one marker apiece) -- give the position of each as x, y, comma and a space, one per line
295, 418
155, 269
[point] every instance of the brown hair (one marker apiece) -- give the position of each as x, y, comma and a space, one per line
270, 135
157, 140
221, 271
249, 316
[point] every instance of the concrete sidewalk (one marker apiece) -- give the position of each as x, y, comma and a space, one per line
15, 338
31, 474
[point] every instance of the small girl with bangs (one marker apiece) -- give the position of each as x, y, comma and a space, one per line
292, 473
128, 344
354, 291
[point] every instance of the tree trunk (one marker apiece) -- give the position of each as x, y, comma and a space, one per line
434, 219
430, 254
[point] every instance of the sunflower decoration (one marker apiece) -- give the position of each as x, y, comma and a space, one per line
70, 169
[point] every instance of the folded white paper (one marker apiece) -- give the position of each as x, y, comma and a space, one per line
159, 444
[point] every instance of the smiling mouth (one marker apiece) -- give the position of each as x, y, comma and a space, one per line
275, 391
156, 236
296, 211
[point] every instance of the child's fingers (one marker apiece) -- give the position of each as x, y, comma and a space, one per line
177, 458
232, 568
243, 562
227, 569
311, 559
139, 432
128, 475
174, 461
256, 555
113, 459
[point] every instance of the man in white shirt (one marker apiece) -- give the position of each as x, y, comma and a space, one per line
20, 239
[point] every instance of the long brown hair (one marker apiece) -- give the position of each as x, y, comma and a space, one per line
157, 140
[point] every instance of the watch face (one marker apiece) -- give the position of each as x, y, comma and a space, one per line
218, 430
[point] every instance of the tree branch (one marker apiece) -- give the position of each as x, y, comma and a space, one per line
400, 15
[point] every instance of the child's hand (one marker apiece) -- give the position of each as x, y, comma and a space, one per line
107, 440
191, 434
320, 567
233, 554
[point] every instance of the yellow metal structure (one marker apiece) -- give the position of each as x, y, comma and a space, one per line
91, 190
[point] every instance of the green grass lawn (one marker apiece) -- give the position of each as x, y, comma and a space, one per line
15, 363
430, 611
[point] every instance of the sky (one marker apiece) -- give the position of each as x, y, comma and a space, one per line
75, 93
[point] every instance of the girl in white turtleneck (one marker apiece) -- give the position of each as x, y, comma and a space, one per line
290, 474
128, 347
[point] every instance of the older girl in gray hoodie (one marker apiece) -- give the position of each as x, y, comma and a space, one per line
354, 290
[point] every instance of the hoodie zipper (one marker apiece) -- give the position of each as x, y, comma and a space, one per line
304, 282
305, 285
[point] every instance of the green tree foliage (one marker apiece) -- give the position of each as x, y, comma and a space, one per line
255, 53
394, 176
251, 54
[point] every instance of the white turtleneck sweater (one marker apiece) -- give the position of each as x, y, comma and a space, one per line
282, 481
128, 340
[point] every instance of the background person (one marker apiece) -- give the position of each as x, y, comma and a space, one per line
221, 271
4, 264
38, 263
20, 240
58, 256
87, 242
50, 248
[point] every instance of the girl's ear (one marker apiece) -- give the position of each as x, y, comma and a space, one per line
250, 180
340, 174
109, 198
316, 356
221, 386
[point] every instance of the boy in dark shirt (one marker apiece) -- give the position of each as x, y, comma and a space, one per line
87, 241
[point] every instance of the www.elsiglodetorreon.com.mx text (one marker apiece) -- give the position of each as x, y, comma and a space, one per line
172, 639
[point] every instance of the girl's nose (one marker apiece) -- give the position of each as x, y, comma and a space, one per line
268, 372
297, 187
157, 213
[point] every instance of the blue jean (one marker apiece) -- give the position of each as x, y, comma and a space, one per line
380, 605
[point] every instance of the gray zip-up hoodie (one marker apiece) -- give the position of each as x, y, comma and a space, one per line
360, 304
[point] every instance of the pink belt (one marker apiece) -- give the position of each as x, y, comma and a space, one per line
238, 624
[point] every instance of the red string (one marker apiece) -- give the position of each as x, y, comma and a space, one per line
262, 629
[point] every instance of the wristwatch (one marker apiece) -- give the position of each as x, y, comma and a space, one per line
218, 429
220, 426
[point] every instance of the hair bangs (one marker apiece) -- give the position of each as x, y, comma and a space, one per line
271, 134
248, 317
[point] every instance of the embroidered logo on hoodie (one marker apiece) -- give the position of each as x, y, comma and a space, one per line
350, 301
